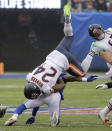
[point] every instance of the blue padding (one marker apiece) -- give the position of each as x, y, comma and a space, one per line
82, 41
13, 76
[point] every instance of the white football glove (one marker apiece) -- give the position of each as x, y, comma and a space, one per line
95, 49
102, 87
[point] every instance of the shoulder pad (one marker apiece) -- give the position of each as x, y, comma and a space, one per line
28, 77
109, 31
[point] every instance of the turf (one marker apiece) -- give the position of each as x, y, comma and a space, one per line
77, 94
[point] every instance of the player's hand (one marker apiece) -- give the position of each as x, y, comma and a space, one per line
30, 120
102, 87
92, 78
95, 49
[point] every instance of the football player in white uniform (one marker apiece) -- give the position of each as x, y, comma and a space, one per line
102, 47
59, 60
53, 100
65, 78
41, 81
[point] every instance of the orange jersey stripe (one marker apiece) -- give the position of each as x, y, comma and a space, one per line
76, 70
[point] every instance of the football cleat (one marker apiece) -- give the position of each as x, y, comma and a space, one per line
104, 119
54, 119
67, 13
11, 121
2, 110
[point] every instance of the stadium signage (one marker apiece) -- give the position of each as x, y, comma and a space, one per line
30, 4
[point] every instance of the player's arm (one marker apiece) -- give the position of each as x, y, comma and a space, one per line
66, 78
59, 86
70, 78
87, 61
90, 78
95, 49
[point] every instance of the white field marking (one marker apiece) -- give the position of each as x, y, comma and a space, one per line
11, 86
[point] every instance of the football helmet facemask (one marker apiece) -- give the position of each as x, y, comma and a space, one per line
96, 32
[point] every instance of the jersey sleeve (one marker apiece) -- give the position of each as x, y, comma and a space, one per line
109, 30
28, 77
86, 63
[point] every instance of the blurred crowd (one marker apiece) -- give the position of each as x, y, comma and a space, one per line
90, 5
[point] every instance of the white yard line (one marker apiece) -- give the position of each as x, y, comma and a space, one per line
11, 86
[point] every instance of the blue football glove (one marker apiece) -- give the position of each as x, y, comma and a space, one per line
91, 78
30, 120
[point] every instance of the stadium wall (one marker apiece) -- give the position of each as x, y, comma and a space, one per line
25, 41
26, 37
82, 41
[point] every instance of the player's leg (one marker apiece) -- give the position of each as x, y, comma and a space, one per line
16, 113
65, 45
54, 108
31, 119
2, 110
27, 104
74, 67
67, 24
103, 113
68, 39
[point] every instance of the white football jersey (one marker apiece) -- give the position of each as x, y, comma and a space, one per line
46, 75
106, 43
59, 59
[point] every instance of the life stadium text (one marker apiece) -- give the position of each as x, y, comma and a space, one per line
30, 4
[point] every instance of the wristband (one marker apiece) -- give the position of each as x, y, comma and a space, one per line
91, 53
84, 79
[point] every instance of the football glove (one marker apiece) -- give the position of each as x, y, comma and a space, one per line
92, 78
30, 120
102, 86
96, 48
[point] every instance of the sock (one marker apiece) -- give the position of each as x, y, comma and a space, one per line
20, 109
68, 29
15, 116
106, 110
35, 111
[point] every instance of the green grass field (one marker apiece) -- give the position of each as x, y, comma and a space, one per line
77, 94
